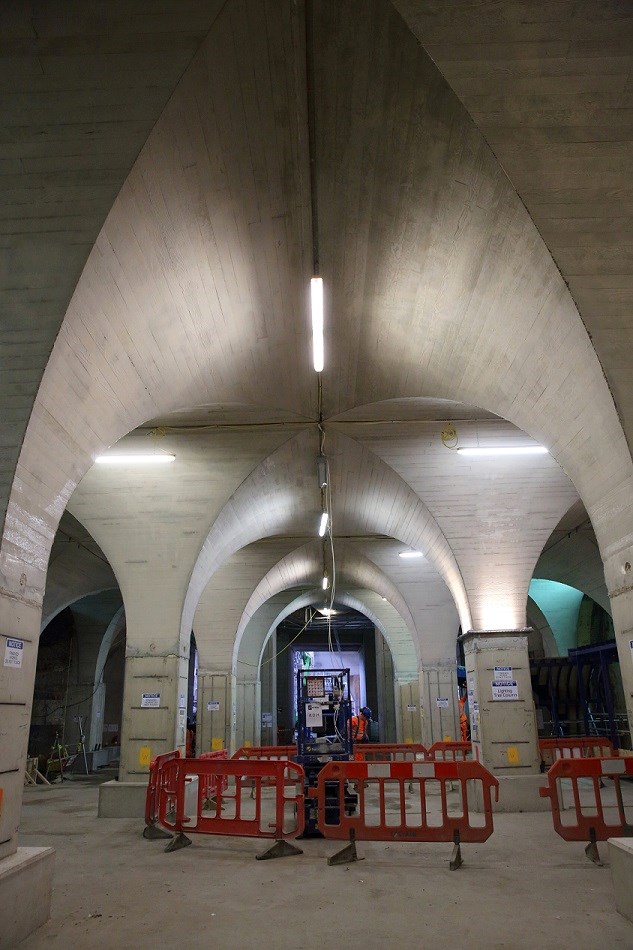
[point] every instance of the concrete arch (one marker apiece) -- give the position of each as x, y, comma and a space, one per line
310, 598
373, 498
468, 306
305, 566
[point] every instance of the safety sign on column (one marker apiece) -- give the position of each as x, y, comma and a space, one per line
505, 689
13, 653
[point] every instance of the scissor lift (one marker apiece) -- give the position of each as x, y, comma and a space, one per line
324, 734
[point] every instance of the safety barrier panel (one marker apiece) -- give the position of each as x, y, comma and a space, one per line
575, 747
269, 753
386, 813
208, 790
449, 751
279, 816
599, 811
156, 779
389, 752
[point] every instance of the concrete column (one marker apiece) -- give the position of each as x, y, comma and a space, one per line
19, 635
95, 736
618, 571
25, 873
502, 719
268, 679
439, 702
248, 712
408, 707
387, 723
216, 710
154, 710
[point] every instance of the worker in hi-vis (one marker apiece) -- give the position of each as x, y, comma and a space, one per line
360, 725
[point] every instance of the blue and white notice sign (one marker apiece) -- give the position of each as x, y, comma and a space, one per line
13, 653
503, 673
150, 700
505, 689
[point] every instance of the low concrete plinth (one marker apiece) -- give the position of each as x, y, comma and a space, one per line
127, 799
621, 859
26, 882
517, 793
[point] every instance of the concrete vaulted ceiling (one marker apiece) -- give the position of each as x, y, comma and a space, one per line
191, 310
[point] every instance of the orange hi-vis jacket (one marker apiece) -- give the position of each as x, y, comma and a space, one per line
359, 726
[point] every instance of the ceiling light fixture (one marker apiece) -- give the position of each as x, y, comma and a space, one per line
322, 470
323, 525
410, 554
134, 459
316, 296
504, 450
327, 611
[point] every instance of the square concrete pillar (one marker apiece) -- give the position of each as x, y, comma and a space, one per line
501, 707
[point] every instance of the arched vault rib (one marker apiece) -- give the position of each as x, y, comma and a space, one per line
192, 291
384, 617
304, 568
281, 497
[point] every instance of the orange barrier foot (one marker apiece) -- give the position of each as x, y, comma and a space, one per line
456, 857
346, 855
177, 842
280, 849
592, 850
152, 832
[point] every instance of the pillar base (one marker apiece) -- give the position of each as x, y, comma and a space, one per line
621, 859
517, 793
26, 883
127, 799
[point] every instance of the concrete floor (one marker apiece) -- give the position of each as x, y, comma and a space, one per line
524, 888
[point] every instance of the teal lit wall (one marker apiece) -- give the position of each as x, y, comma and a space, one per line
560, 604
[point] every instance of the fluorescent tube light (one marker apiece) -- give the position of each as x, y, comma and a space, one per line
505, 450
134, 459
410, 554
323, 525
322, 471
326, 582
316, 296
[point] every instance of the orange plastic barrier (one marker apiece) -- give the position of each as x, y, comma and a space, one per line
389, 752
266, 753
576, 747
156, 779
280, 816
387, 813
599, 810
449, 751
269, 753
208, 789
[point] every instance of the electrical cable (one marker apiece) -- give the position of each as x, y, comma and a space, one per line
256, 666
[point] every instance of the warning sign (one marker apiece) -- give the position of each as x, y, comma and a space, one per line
442, 702
150, 700
13, 653
505, 689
